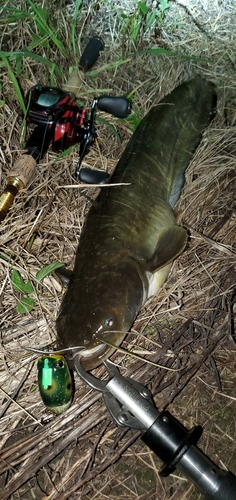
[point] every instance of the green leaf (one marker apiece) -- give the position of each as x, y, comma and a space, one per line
5, 256
25, 305
150, 19
80, 103
19, 284
31, 241
164, 5
42, 20
17, 280
28, 287
133, 121
18, 66
67, 152
38, 41
17, 16
142, 7
52, 79
135, 27
48, 270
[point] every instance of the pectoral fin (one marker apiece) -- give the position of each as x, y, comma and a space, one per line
171, 243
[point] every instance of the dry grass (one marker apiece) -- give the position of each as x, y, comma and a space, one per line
189, 325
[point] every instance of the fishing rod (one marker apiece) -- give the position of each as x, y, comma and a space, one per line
130, 405
61, 122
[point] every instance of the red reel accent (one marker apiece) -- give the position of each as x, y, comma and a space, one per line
68, 129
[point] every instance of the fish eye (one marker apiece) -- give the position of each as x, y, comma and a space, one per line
109, 322
60, 364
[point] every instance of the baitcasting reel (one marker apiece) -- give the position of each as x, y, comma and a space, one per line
61, 121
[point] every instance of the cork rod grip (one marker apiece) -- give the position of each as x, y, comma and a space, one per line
17, 179
23, 169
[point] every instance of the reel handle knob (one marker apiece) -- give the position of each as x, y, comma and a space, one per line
119, 107
90, 176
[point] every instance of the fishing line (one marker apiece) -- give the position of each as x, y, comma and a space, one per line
45, 350
43, 141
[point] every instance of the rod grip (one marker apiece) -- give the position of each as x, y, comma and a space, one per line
23, 169
18, 177
89, 57
91, 53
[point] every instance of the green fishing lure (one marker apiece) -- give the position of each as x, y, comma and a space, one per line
55, 382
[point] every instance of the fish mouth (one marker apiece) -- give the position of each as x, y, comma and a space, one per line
94, 351
92, 358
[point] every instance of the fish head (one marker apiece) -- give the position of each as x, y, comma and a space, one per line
99, 309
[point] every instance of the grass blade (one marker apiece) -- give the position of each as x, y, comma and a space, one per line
47, 29
11, 56
48, 270
14, 82
157, 51
110, 126
74, 26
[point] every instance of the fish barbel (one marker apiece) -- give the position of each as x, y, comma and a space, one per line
130, 236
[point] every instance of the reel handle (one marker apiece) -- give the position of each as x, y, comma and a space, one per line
89, 176
91, 53
116, 106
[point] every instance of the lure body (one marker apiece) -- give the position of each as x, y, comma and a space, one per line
130, 237
55, 383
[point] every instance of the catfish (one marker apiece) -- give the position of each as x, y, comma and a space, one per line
130, 237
